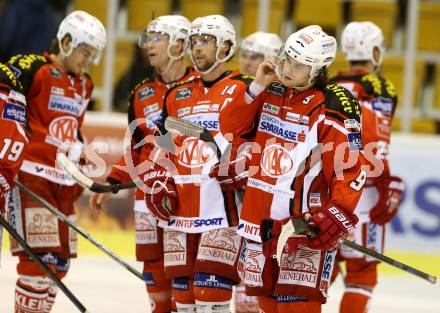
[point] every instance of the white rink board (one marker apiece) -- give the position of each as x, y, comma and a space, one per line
417, 225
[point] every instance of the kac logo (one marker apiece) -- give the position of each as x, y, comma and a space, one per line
195, 153
64, 128
276, 161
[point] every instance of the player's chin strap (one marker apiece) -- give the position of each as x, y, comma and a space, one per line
171, 60
300, 227
217, 62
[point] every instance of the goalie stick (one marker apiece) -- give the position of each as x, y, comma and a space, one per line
78, 229
190, 129
42, 265
300, 227
88, 183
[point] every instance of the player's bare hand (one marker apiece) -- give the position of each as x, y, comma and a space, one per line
97, 200
266, 71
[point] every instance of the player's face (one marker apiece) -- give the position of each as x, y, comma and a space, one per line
294, 73
204, 50
81, 58
157, 46
249, 61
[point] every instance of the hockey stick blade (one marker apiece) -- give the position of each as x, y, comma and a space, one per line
42, 265
78, 229
85, 181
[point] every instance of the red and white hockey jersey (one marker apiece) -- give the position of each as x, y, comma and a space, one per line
202, 204
56, 102
304, 138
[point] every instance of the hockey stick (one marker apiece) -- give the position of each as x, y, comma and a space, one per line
190, 129
301, 227
42, 265
65, 219
86, 182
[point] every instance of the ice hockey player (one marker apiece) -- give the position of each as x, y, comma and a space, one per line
165, 42
57, 92
200, 242
364, 47
307, 166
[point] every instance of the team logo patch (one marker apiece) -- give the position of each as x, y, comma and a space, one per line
55, 73
315, 199
64, 128
354, 141
41, 228
146, 93
195, 153
64, 104
183, 93
383, 105
254, 265
174, 248
219, 245
276, 161
271, 108
14, 112
145, 228
300, 268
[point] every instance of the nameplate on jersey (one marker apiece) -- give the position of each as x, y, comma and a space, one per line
146, 93
282, 129
206, 120
65, 104
14, 112
383, 105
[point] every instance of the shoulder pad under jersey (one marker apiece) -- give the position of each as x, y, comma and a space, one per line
340, 103
25, 66
247, 79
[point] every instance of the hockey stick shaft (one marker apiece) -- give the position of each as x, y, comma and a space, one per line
78, 229
42, 265
390, 261
85, 181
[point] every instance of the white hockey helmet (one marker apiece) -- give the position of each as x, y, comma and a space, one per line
175, 26
219, 27
84, 29
359, 40
267, 44
310, 46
